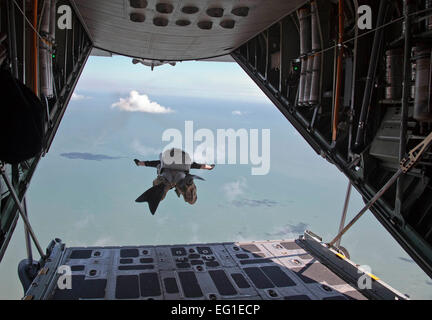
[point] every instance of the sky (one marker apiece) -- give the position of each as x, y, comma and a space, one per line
84, 189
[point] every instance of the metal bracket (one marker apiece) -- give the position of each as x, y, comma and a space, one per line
415, 154
406, 164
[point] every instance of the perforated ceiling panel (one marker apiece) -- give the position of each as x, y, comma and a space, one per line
178, 29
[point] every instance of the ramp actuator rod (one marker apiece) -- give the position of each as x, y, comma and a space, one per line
27, 236
344, 212
21, 211
406, 164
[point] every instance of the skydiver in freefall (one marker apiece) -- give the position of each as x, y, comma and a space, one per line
172, 172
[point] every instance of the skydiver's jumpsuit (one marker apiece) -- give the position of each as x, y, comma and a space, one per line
175, 179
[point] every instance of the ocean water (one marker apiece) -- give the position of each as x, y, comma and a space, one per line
90, 201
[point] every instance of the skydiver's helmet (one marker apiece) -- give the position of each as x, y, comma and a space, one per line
175, 159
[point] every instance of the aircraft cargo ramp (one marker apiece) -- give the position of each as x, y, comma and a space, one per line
302, 269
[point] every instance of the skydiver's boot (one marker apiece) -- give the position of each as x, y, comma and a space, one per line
153, 196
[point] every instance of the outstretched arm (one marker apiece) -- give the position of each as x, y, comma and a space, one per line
202, 166
147, 163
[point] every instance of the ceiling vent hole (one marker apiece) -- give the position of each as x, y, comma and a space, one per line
137, 17
190, 9
160, 22
227, 24
205, 25
183, 23
240, 11
215, 12
164, 8
138, 4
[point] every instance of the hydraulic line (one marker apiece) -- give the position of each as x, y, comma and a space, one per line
24, 71
405, 97
315, 86
305, 47
12, 38
35, 52
370, 80
353, 84
338, 73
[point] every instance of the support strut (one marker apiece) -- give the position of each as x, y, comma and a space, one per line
27, 236
21, 211
406, 164
344, 212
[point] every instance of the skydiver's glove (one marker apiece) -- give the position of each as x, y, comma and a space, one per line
136, 162
207, 166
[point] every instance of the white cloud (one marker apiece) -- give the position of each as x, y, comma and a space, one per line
162, 220
140, 103
103, 242
240, 237
237, 113
194, 238
77, 97
85, 222
233, 190
144, 150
